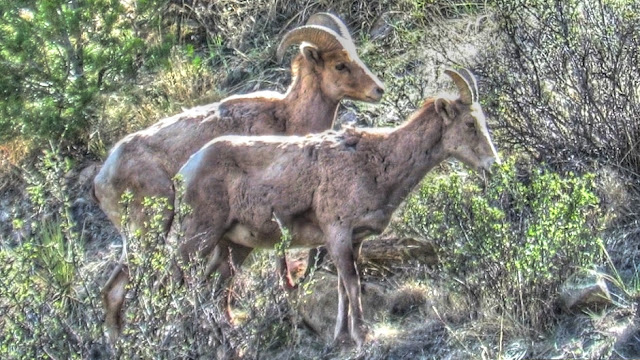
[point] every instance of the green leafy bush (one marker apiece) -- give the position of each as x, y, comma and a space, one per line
48, 303
57, 55
50, 293
175, 314
513, 242
560, 81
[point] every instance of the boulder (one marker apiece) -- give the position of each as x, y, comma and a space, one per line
584, 290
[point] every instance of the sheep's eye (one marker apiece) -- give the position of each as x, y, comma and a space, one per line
471, 125
341, 67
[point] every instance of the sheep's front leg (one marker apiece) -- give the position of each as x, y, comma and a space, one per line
341, 333
340, 247
314, 260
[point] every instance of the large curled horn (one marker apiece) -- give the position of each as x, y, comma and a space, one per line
332, 22
322, 37
472, 83
466, 95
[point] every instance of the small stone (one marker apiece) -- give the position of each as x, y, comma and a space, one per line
584, 290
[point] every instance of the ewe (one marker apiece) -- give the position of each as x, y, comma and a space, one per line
326, 71
332, 189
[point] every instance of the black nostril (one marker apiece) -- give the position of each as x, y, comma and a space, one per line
380, 91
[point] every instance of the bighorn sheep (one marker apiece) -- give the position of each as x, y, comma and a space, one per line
331, 189
326, 71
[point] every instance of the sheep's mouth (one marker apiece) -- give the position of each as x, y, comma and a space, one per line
365, 98
373, 99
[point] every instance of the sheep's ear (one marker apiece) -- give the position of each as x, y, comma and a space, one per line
312, 54
445, 109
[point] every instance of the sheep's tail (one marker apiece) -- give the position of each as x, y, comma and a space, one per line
92, 192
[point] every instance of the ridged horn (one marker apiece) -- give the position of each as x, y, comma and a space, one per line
332, 22
322, 37
472, 83
466, 95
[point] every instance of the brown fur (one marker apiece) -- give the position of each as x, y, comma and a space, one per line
331, 189
145, 162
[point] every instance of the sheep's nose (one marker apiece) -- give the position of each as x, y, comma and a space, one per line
488, 162
375, 93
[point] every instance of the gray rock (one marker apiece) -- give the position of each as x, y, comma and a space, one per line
584, 290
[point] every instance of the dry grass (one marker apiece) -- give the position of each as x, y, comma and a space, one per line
12, 154
408, 299
183, 84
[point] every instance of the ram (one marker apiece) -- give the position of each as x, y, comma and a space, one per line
332, 189
326, 71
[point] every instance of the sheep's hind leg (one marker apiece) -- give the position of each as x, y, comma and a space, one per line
113, 294
226, 258
341, 333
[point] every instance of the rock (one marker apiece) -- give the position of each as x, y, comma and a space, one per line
381, 28
584, 290
87, 174
4, 215
347, 118
407, 300
627, 335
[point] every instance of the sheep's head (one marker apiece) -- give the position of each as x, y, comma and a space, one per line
329, 49
465, 134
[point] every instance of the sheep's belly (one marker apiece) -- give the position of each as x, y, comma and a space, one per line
304, 235
243, 235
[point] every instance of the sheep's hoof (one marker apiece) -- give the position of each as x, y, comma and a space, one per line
290, 286
343, 340
360, 336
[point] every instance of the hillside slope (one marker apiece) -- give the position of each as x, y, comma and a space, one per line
57, 248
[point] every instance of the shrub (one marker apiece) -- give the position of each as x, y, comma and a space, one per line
180, 316
47, 307
562, 81
56, 56
513, 242
48, 303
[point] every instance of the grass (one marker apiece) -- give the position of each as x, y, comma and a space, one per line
420, 318
185, 82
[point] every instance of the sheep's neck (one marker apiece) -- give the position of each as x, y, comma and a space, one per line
308, 110
409, 152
